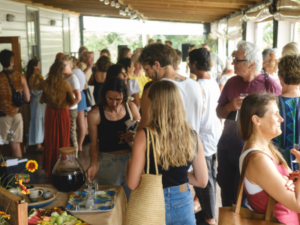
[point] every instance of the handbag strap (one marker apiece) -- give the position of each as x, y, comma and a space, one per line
129, 110
149, 133
10, 83
266, 80
271, 203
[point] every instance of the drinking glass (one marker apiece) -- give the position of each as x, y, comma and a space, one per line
243, 94
119, 135
296, 147
90, 204
76, 205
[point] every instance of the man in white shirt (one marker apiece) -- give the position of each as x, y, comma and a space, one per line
210, 129
157, 61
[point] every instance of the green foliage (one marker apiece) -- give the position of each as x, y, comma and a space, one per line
268, 36
95, 41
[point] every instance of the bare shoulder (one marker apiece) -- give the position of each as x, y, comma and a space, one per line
259, 161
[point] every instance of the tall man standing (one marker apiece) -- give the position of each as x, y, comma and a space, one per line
157, 61
11, 121
210, 129
247, 63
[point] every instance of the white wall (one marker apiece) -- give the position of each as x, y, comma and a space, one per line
285, 34
51, 38
17, 27
250, 32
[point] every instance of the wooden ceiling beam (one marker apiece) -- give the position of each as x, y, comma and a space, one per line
216, 2
162, 10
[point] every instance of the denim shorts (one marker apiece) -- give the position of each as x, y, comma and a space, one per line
179, 206
112, 170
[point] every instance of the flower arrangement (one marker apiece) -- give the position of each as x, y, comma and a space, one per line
19, 178
3, 218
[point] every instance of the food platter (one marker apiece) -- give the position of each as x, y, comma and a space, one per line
41, 202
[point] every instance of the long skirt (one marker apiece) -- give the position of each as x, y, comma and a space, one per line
57, 135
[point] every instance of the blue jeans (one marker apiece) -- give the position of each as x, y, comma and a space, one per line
179, 206
112, 170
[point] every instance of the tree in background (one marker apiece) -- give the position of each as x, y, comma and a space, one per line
268, 35
95, 41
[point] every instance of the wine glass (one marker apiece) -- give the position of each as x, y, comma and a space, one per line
296, 147
120, 132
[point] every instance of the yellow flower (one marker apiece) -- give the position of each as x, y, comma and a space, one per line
3, 164
4, 215
31, 166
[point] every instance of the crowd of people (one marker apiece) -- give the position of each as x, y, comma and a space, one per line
222, 114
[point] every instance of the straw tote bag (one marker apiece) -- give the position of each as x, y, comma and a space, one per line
237, 215
146, 204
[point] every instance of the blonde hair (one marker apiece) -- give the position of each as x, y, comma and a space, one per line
175, 142
135, 57
291, 49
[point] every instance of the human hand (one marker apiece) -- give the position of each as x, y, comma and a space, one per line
236, 103
289, 184
91, 171
128, 136
294, 175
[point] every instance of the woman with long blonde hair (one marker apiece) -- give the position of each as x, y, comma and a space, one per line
58, 95
177, 147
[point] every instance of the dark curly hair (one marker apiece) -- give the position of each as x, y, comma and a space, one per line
202, 57
30, 68
157, 52
289, 69
103, 63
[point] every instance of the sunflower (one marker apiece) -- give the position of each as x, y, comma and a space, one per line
31, 166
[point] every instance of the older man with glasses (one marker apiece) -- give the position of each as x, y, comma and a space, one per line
247, 63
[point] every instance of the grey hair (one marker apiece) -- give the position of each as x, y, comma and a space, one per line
252, 54
291, 49
266, 54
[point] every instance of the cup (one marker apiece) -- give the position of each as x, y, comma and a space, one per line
76, 206
35, 193
47, 194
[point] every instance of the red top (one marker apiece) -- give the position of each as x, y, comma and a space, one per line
259, 201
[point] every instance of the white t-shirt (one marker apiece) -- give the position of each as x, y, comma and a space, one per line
133, 87
81, 77
210, 126
75, 85
224, 79
191, 96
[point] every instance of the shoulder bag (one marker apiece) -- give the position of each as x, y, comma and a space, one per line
90, 101
147, 203
237, 215
17, 97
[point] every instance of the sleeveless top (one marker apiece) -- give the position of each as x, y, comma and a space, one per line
174, 176
259, 201
108, 133
6, 105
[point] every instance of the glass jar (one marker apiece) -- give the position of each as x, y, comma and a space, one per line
68, 174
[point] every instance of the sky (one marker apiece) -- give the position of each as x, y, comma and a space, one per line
103, 24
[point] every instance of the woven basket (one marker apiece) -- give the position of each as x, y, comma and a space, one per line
146, 204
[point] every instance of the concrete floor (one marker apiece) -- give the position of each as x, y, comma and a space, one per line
84, 158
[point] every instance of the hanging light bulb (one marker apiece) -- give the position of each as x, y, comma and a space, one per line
127, 8
117, 4
106, 2
112, 3
121, 11
101, 0
124, 13
129, 13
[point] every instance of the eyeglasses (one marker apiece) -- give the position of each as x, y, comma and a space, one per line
236, 61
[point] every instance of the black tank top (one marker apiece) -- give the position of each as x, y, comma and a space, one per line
174, 176
108, 133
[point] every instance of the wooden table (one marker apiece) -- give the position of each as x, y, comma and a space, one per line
116, 216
